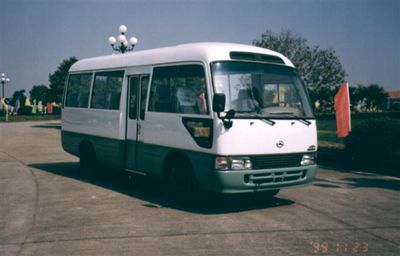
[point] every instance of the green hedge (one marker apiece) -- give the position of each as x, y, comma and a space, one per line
360, 115
375, 143
25, 110
56, 111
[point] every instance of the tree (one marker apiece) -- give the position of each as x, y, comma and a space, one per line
324, 96
18, 95
324, 69
20, 108
40, 93
57, 79
320, 69
292, 46
368, 98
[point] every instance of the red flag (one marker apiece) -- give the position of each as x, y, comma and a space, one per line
342, 108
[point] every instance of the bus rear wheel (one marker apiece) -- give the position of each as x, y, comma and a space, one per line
87, 160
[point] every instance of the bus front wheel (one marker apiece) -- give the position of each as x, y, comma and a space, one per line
180, 181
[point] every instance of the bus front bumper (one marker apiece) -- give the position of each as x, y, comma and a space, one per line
250, 181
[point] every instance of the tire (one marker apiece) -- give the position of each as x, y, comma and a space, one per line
180, 182
87, 160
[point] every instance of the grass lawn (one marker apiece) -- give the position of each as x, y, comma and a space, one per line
21, 118
331, 149
327, 136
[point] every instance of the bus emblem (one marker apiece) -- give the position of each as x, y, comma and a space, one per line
280, 144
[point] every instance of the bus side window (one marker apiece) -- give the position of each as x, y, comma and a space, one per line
133, 84
179, 89
161, 99
78, 90
143, 96
107, 90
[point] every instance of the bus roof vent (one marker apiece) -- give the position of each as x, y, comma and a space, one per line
256, 57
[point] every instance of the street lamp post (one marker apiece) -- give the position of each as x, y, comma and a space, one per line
124, 44
4, 80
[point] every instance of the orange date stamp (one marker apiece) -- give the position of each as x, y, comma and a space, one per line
351, 247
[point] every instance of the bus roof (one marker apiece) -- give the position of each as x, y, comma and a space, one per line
206, 52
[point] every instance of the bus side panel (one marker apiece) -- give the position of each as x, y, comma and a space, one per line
110, 151
70, 142
102, 128
97, 122
152, 158
162, 133
167, 129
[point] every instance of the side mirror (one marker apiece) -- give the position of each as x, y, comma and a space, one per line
219, 106
219, 102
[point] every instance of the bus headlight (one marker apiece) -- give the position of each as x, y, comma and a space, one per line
241, 163
308, 159
233, 163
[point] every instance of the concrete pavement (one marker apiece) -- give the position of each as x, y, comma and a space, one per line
48, 208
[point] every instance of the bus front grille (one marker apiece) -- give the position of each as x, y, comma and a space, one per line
276, 161
275, 177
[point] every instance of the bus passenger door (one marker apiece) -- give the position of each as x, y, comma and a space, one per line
137, 94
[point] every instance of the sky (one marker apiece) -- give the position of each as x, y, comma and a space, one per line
36, 35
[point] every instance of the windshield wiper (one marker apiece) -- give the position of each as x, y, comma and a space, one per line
259, 117
290, 114
265, 119
302, 120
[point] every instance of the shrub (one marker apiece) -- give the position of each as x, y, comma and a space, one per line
361, 115
56, 110
375, 142
25, 110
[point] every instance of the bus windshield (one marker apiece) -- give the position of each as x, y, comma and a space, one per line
265, 90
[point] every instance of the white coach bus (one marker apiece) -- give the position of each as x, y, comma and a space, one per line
219, 117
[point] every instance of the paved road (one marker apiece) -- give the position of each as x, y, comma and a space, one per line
47, 208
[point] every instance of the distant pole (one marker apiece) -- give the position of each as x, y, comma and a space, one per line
124, 45
4, 80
